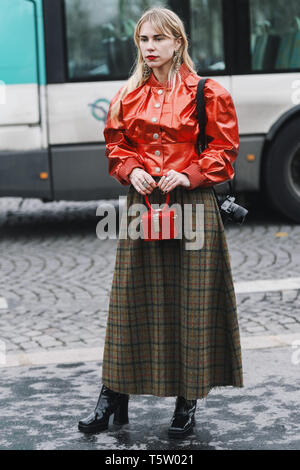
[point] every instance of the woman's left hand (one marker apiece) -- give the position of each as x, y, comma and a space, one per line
171, 180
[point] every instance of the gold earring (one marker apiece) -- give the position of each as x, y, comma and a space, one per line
177, 60
146, 70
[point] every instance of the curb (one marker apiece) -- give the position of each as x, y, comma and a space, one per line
65, 356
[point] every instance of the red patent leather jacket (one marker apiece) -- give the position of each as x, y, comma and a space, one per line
157, 131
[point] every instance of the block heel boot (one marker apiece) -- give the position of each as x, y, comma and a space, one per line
183, 418
109, 403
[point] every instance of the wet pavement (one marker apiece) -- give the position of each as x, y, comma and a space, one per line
40, 407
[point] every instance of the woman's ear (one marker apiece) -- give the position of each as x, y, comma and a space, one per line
178, 43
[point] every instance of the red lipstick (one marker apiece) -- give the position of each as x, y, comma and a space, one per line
151, 57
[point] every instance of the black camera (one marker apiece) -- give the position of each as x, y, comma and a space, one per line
231, 211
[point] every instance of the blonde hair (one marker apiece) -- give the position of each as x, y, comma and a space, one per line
166, 22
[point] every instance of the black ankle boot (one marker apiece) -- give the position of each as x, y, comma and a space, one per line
109, 402
183, 418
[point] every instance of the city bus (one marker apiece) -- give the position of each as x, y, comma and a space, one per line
62, 61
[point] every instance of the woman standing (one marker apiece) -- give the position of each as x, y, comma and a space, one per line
172, 327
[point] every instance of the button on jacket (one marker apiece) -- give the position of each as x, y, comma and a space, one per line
158, 131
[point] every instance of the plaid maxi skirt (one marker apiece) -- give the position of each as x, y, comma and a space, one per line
172, 326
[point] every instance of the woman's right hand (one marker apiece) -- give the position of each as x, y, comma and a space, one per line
137, 176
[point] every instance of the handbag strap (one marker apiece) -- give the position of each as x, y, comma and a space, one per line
202, 120
201, 115
165, 206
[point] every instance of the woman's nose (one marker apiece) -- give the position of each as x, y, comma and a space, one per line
150, 46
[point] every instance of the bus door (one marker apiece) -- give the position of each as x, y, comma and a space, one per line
23, 144
18, 66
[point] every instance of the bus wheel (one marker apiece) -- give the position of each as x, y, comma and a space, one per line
282, 171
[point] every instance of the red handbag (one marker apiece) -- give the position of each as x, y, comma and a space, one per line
159, 224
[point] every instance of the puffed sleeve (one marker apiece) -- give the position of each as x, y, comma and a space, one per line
214, 164
122, 157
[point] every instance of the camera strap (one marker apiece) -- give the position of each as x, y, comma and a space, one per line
202, 120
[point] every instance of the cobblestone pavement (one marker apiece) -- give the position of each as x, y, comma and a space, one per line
56, 274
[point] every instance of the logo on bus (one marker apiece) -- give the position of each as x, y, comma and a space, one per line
100, 109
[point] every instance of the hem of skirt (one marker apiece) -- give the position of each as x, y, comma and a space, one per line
150, 391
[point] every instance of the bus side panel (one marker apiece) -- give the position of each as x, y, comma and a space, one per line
261, 99
248, 163
24, 174
80, 172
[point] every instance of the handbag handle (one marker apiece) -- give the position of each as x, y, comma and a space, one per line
165, 206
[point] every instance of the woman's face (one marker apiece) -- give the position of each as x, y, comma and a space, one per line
157, 49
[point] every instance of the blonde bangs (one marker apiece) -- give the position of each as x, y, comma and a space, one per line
156, 20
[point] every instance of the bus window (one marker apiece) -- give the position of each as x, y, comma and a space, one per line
99, 37
207, 49
275, 35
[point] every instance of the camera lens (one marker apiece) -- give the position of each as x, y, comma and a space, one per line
239, 213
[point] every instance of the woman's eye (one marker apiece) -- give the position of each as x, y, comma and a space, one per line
157, 39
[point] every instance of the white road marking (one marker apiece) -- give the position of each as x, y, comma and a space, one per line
264, 285
67, 356
3, 303
58, 356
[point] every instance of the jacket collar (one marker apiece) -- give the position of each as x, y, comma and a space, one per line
153, 82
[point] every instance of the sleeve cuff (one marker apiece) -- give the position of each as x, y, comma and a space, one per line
126, 168
194, 175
